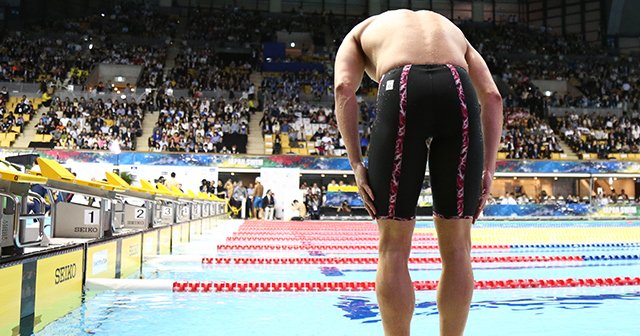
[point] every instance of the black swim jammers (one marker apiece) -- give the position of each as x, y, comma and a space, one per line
426, 111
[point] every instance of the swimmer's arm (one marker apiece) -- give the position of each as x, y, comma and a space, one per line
491, 104
349, 70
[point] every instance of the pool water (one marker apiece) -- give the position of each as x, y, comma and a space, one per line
532, 311
573, 311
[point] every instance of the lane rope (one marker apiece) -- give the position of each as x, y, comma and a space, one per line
316, 238
310, 286
417, 247
413, 260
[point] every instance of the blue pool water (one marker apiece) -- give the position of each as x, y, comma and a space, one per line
553, 312
539, 311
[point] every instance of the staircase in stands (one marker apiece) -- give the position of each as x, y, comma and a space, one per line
255, 140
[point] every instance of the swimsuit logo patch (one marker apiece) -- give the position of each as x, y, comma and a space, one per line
389, 85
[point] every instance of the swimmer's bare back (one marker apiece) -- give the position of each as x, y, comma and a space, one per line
397, 38
400, 37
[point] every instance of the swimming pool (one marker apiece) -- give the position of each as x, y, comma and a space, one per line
602, 310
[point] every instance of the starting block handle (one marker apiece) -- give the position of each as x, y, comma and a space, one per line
19, 218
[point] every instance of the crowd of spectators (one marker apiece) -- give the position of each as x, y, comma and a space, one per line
68, 62
601, 135
15, 117
233, 26
526, 136
295, 102
202, 126
600, 198
519, 53
204, 70
63, 52
92, 124
133, 19
317, 124
284, 86
512, 198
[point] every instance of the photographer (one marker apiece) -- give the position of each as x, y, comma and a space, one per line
300, 209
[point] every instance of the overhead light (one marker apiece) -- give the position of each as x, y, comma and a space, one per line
515, 177
323, 175
123, 97
547, 93
293, 44
555, 178
90, 46
233, 174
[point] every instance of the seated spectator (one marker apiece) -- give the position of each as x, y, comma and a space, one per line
268, 204
313, 204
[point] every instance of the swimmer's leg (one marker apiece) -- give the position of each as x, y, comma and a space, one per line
455, 289
394, 288
453, 212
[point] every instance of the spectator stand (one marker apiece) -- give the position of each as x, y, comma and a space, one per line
202, 125
602, 136
526, 136
17, 111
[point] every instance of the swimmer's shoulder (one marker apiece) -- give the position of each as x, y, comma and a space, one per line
357, 31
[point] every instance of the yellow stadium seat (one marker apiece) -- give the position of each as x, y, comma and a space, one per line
10, 136
5, 143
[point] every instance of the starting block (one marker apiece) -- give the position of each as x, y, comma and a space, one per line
80, 220
128, 215
15, 217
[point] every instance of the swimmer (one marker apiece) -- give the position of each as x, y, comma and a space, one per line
258, 192
430, 80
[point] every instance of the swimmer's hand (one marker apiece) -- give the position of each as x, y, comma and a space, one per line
362, 180
487, 180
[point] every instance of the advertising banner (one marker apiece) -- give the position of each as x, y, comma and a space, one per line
125, 159
536, 210
617, 211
